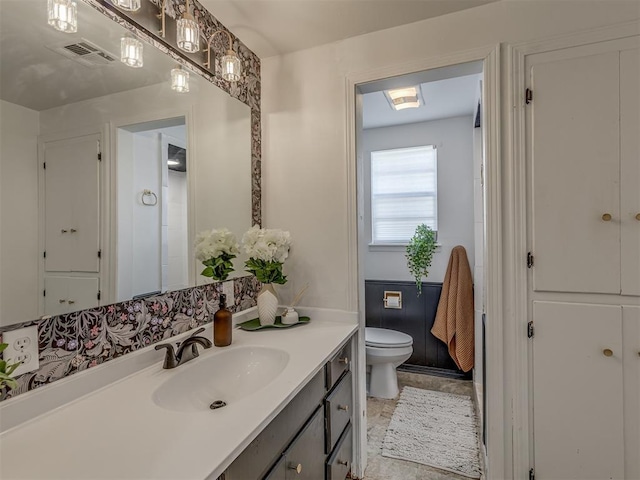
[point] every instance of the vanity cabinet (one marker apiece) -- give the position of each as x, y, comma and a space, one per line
311, 438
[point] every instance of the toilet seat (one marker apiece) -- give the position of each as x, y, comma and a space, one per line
385, 338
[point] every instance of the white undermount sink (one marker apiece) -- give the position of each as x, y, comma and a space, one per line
227, 376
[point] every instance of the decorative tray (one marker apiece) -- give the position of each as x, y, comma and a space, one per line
254, 324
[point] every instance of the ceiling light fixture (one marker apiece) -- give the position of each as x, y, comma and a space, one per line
131, 52
187, 32
63, 15
229, 63
180, 80
128, 5
401, 98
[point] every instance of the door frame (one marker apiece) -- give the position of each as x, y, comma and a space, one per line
517, 344
496, 414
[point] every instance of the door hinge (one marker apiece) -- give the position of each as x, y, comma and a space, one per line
99, 294
44, 165
529, 260
44, 254
528, 96
99, 253
530, 329
99, 152
99, 157
532, 474
44, 293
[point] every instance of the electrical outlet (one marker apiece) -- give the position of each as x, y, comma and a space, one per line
22, 347
227, 290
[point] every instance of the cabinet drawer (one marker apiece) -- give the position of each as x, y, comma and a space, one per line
304, 459
337, 366
278, 472
338, 406
339, 463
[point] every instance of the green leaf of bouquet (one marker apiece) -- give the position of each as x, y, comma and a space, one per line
207, 272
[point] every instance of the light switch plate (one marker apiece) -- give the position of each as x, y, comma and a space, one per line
227, 290
22, 347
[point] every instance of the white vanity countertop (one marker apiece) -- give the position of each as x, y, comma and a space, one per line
118, 432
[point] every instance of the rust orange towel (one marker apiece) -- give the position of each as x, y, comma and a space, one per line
454, 318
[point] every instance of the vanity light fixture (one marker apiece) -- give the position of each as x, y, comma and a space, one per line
180, 80
128, 5
161, 16
230, 62
131, 52
63, 15
187, 32
401, 98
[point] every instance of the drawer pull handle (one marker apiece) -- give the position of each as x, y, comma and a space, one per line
606, 217
71, 302
343, 462
62, 300
63, 231
73, 230
607, 352
344, 360
343, 407
297, 468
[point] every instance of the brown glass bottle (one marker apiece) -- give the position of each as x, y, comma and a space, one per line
222, 324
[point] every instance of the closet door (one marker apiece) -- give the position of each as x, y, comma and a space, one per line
577, 391
630, 170
631, 355
574, 156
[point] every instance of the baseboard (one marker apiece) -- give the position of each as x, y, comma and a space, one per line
438, 372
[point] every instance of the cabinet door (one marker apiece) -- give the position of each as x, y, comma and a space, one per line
574, 156
56, 295
577, 391
631, 362
305, 456
630, 170
83, 293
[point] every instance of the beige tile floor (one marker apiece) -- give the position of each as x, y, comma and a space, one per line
379, 414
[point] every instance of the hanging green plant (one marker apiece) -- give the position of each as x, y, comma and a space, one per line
420, 253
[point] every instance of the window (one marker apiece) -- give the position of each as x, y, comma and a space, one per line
403, 193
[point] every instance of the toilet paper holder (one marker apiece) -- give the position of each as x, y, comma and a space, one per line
392, 299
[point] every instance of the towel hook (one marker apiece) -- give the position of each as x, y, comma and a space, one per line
149, 193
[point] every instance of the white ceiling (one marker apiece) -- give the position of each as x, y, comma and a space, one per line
453, 97
274, 27
35, 77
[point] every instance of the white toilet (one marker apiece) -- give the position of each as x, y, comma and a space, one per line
385, 350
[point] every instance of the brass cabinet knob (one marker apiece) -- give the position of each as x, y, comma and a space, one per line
63, 231
62, 300
344, 360
343, 407
607, 352
606, 217
71, 302
297, 468
638, 216
73, 230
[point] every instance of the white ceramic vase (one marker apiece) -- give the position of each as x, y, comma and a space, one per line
267, 304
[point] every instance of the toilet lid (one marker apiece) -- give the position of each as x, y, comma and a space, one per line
383, 337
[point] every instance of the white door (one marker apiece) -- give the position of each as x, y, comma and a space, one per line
574, 158
577, 391
72, 208
630, 170
631, 372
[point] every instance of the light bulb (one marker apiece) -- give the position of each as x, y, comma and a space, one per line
231, 67
180, 80
131, 52
63, 15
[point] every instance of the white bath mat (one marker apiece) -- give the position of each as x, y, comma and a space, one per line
436, 429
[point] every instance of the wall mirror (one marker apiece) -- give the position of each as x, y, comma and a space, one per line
106, 172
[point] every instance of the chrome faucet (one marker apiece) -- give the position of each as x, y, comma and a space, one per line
187, 350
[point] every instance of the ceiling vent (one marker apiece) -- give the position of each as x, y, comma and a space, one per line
86, 53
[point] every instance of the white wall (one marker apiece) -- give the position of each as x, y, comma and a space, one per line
304, 119
178, 240
453, 140
19, 254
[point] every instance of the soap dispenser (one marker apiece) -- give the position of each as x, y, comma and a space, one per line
222, 324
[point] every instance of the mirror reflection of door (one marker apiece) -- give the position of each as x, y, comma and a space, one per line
152, 246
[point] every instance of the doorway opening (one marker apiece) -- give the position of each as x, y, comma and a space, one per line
421, 161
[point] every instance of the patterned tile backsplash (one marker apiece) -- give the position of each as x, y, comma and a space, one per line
77, 341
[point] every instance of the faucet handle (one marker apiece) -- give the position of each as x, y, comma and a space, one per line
170, 360
198, 331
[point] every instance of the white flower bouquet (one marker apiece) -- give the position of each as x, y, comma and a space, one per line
267, 250
215, 249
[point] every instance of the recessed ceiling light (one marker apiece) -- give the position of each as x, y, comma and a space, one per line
401, 98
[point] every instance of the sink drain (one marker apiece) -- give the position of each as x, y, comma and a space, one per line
218, 404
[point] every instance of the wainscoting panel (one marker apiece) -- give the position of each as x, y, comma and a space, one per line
415, 318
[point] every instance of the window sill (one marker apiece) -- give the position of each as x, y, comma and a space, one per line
392, 247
